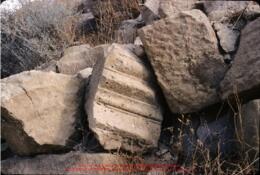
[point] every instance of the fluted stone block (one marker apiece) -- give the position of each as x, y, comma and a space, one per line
122, 106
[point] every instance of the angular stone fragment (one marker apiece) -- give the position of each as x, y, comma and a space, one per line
121, 105
243, 78
70, 163
171, 7
184, 54
39, 111
227, 37
79, 58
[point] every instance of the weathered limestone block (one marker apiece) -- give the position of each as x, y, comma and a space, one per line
70, 163
243, 78
184, 54
121, 105
78, 58
39, 111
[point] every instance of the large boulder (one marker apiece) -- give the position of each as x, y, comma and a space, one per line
121, 105
78, 58
183, 51
171, 7
70, 163
40, 111
243, 78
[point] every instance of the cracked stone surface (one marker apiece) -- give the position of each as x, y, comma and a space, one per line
39, 111
121, 105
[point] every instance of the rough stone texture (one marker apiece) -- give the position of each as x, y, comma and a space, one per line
249, 132
121, 105
79, 58
39, 111
70, 163
171, 7
226, 10
228, 38
244, 75
184, 54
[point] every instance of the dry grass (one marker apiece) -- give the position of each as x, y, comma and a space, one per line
110, 14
